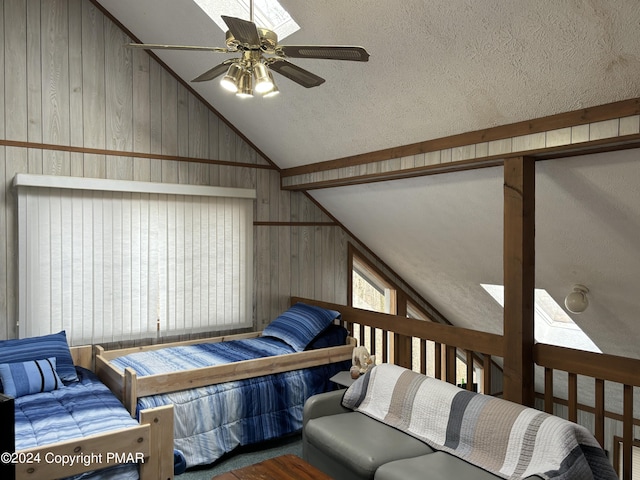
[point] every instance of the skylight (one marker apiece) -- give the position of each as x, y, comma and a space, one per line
267, 14
552, 325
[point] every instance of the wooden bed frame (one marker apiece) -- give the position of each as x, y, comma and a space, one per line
152, 440
129, 387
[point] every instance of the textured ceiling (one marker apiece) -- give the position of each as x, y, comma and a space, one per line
439, 68
448, 239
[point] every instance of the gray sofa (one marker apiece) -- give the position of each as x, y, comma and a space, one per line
401, 425
349, 445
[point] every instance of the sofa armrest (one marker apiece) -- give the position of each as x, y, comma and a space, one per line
324, 404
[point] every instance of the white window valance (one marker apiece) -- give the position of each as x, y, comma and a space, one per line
110, 260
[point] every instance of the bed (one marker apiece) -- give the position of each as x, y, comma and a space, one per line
233, 390
68, 424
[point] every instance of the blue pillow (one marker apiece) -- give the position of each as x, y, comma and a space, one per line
25, 378
332, 336
300, 325
37, 348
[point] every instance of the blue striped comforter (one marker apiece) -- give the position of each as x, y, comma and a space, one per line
76, 410
213, 420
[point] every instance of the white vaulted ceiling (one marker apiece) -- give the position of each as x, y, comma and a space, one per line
439, 68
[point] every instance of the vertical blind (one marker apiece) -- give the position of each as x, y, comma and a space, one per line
109, 260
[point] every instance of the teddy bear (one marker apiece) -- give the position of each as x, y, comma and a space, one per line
361, 361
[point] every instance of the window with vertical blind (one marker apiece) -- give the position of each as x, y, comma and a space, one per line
110, 260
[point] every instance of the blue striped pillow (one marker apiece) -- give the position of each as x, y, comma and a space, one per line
300, 325
37, 348
25, 378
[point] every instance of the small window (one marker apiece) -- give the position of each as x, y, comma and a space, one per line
370, 290
267, 14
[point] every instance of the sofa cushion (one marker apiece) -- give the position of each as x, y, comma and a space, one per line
440, 465
361, 443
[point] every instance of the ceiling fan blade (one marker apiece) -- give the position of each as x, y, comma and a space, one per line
295, 73
328, 52
243, 31
154, 46
213, 72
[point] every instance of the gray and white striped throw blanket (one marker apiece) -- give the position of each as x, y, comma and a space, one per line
502, 437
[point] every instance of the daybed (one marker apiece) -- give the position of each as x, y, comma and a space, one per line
395, 424
234, 390
67, 422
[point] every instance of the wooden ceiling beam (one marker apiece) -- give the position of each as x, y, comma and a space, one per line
604, 128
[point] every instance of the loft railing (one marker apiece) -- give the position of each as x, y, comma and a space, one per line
600, 368
394, 334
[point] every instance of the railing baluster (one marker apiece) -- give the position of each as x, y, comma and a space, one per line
573, 397
548, 390
450, 364
486, 375
469, 370
599, 414
372, 341
627, 432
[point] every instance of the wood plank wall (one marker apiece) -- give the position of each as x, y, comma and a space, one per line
72, 100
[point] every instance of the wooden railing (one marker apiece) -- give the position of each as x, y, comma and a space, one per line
449, 341
600, 368
480, 347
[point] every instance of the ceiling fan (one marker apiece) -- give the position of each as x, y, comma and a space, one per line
261, 53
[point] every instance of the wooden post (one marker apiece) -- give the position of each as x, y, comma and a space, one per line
519, 273
160, 464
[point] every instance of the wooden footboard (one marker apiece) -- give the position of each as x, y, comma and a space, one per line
160, 462
150, 444
130, 387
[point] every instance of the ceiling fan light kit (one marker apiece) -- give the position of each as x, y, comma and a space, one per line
274, 90
231, 80
264, 84
245, 87
261, 54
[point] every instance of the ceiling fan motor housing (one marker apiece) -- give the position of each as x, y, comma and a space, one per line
268, 42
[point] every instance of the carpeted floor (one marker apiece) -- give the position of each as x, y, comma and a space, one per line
246, 456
